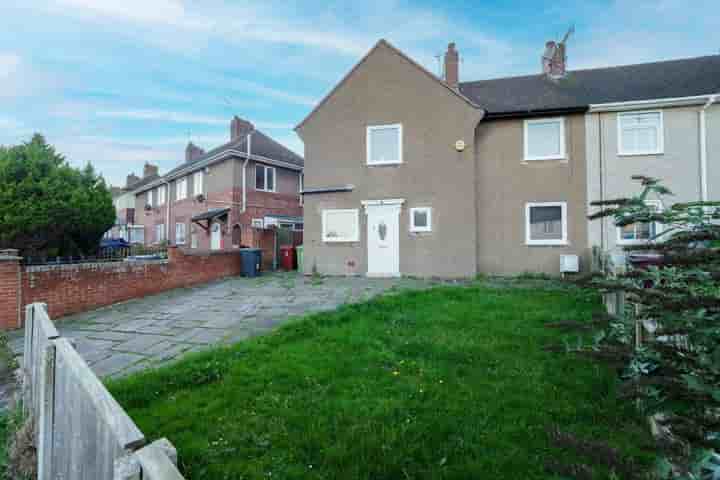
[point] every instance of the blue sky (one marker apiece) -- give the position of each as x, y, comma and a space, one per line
121, 82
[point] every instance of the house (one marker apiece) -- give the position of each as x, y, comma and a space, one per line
411, 174
234, 195
124, 203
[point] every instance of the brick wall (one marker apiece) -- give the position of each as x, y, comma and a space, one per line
9, 289
69, 289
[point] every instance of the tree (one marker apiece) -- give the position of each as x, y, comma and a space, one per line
48, 207
672, 375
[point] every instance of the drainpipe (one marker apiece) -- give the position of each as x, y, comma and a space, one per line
703, 148
167, 211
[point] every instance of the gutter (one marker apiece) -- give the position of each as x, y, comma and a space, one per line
654, 103
704, 148
534, 113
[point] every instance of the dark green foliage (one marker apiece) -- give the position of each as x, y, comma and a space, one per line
677, 372
48, 207
451, 383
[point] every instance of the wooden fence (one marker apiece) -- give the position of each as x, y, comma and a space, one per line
81, 430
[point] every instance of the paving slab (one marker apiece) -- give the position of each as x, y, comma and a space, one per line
158, 329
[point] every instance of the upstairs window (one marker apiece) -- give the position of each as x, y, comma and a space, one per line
640, 133
198, 183
384, 144
544, 139
181, 189
546, 223
264, 178
161, 190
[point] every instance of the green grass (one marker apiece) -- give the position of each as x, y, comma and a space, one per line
449, 383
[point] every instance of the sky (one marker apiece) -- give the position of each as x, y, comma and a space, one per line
121, 82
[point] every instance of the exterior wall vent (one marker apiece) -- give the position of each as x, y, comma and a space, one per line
569, 264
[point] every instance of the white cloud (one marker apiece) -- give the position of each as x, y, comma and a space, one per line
163, 116
166, 12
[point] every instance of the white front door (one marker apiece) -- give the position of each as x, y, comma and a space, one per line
383, 234
215, 236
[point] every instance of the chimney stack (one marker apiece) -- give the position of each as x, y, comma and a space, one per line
452, 66
239, 128
150, 170
131, 180
554, 60
192, 152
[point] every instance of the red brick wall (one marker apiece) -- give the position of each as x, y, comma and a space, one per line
9, 291
69, 289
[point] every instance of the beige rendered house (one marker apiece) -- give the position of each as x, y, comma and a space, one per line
410, 174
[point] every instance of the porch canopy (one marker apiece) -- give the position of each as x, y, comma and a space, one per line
209, 216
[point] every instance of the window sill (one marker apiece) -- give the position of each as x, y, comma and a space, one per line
340, 241
383, 164
541, 159
265, 191
640, 154
559, 243
420, 231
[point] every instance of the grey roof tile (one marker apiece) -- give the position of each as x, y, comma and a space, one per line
581, 88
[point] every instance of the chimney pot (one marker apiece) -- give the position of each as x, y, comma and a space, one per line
554, 60
150, 170
452, 66
239, 128
131, 180
192, 152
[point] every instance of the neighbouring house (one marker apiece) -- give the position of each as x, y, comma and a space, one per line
411, 174
235, 195
124, 203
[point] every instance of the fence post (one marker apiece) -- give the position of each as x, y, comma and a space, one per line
127, 468
47, 414
27, 358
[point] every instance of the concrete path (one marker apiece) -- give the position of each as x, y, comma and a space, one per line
147, 332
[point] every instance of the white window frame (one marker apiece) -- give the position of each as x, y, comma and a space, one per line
640, 241
160, 227
419, 229
372, 128
546, 242
661, 134
526, 152
198, 183
162, 194
356, 214
184, 233
181, 189
266, 167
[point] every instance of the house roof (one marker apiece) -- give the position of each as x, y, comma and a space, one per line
261, 146
582, 88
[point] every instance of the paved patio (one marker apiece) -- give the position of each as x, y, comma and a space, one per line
147, 332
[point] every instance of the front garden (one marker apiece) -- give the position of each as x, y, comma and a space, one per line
454, 382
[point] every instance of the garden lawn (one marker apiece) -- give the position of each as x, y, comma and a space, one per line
447, 383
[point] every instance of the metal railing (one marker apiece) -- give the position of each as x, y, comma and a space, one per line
103, 255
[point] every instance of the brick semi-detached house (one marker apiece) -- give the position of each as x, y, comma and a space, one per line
234, 195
